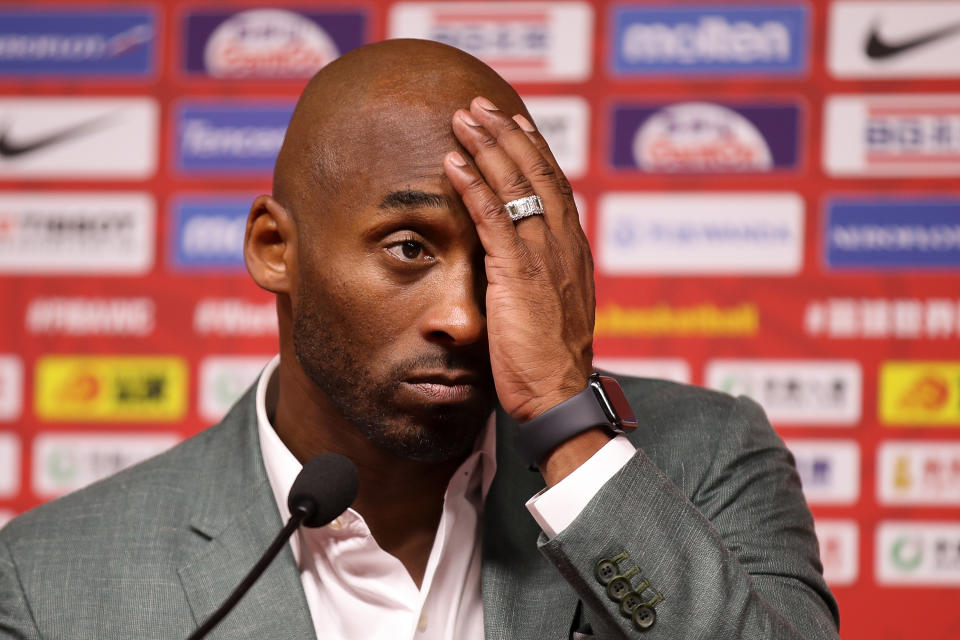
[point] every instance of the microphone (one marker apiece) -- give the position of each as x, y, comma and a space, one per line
325, 488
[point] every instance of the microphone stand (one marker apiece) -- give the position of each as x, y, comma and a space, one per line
301, 511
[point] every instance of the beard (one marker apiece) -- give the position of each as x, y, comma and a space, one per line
370, 400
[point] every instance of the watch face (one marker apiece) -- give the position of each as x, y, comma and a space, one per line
618, 401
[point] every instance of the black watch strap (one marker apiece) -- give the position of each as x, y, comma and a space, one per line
537, 437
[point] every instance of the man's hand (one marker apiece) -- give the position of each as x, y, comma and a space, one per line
540, 292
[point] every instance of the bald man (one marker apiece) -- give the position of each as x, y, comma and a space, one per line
435, 301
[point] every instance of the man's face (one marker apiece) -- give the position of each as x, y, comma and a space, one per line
388, 308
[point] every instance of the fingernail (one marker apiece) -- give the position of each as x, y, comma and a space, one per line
485, 104
468, 119
457, 159
524, 123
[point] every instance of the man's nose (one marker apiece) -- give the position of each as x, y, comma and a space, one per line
456, 315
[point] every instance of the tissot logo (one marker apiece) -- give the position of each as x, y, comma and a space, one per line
69, 233
523, 41
116, 42
223, 379
9, 465
918, 553
67, 462
894, 39
11, 387
112, 138
268, 42
829, 470
918, 472
792, 392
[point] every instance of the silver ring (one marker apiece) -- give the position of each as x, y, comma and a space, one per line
524, 208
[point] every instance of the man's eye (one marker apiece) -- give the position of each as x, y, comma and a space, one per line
408, 250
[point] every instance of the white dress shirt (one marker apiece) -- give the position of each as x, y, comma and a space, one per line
355, 589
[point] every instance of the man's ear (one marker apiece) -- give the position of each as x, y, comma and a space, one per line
269, 245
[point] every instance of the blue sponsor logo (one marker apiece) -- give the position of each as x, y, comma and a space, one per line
268, 42
230, 137
893, 233
710, 40
208, 233
706, 137
89, 42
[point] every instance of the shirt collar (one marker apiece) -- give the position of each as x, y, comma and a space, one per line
282, 466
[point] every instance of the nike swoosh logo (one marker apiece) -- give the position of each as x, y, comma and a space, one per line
881, 50
10, 149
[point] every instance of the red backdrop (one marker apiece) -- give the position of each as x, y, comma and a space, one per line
769, 188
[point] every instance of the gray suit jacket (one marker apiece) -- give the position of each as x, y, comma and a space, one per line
709, 511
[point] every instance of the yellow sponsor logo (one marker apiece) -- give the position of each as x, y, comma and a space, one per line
920, 393
664, 320
110, 388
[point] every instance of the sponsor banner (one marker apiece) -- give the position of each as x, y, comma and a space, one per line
791, 392
895, 135
564, 123
674, 369
893, 233
714, 233
11, 387
699, 320
882, 318
918, 553
130, 388
268, 42
829, 470
66, 462
918, 472
77, 316
223, 379
522, 41
66, 233
230, 136
710, 39
920, 393
208, 233
706, 137
9, 464
839, 550
104, 138
234, 317
117, 42
907, 39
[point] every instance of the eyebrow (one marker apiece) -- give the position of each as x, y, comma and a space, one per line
411, 199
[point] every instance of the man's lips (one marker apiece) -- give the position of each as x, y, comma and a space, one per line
448, 387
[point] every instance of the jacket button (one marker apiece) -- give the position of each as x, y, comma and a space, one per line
618, 588
630, 601
644, 617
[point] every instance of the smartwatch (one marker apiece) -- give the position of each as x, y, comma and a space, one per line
601, 404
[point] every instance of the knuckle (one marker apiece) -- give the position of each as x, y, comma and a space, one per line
490, 208
487, 142
517, 182
542, 170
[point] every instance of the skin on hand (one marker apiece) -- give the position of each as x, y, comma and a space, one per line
540, 291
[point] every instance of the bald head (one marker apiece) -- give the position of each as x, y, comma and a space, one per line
384, 103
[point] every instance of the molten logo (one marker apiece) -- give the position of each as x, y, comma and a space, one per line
268, 42
929, 392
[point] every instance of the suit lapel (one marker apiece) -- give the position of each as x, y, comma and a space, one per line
523, 594
235, 521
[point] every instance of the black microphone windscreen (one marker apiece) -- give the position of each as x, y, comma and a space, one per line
330, 482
